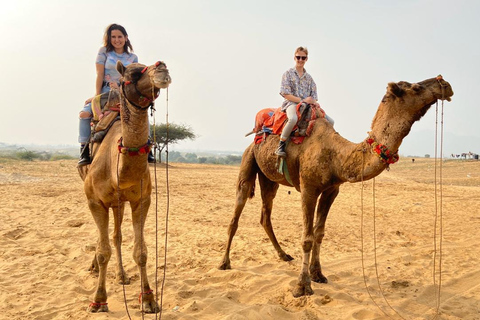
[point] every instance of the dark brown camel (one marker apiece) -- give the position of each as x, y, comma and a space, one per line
323, 162
115, 177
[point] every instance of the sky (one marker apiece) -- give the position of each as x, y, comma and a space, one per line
227, 57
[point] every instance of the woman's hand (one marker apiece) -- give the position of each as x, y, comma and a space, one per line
88, 100
310, 100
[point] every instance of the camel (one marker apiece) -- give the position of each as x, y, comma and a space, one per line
120, 173
323, 162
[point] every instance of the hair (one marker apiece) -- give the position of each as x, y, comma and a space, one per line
107, 38
303, 49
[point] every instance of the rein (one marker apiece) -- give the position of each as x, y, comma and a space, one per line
438, 219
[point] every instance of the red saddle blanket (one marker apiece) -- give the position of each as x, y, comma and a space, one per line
272, 120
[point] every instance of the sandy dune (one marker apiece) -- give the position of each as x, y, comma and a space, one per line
47, 238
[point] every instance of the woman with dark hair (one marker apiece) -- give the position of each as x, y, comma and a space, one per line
116, 47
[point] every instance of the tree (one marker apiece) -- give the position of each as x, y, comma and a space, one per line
170, 134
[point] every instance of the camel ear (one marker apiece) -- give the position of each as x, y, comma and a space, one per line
394, 89
120, 67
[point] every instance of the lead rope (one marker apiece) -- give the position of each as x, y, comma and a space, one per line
438, 224
362, 239
167, 213
120, 255
152, 114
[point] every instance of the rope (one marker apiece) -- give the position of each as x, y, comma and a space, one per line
120, 255
167, 213
142, 225
152, 114
438, 225
362, 240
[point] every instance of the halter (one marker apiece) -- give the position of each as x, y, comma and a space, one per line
150, 100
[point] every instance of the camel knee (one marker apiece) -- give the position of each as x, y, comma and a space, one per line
141, 259
103, 258
85, 115
307, 244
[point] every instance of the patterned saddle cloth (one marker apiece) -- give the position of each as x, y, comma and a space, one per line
106, 110
272, 120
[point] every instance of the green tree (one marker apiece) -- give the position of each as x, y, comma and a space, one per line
170, 134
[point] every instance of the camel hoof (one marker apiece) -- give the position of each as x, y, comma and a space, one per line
96, 307
124, 280
151, 307
302, 290
318, 277
303, 287
225, 265
285, 257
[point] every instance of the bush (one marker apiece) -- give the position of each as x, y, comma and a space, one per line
27, 155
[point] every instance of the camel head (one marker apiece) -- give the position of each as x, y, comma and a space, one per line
404, 103
141, 84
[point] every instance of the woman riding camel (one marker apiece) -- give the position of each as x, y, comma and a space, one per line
116, 47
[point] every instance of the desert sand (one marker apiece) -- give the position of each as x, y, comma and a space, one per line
47, 241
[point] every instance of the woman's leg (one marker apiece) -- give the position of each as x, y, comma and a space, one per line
84, 134
292, 118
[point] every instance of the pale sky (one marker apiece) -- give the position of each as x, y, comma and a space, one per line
226, 59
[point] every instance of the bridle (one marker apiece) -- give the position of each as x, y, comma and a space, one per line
141, 96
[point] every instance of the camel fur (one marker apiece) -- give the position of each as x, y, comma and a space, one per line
324, 161
114, 178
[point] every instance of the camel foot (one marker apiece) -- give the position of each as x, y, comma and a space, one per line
284, 256
151, 306
122, 278
316, 274
303, 287
95, 307
225, 265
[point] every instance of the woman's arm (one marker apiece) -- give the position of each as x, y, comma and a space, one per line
296, 99
291, 97
99, 81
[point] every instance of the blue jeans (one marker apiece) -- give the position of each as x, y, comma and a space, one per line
84, 125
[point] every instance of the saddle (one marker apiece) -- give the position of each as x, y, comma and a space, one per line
272, 120
106, 110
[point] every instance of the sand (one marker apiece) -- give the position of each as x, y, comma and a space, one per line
47, 239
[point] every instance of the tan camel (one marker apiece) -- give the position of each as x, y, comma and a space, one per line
324, 161
115, 177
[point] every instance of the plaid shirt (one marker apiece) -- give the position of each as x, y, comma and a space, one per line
300, 87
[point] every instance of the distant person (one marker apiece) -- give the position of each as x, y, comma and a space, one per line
297, 86
116, 47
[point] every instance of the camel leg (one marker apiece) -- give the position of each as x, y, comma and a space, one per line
303, 286
269, 191
120, 274
324, 203
245, 190
139, 215
103, 254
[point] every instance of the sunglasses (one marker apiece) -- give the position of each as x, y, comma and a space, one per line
300, 57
